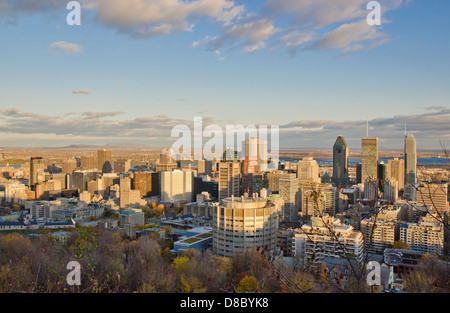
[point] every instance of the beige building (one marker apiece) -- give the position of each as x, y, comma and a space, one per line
229, 179
308, 171
104, 160
369, 159
378, 233
241, 224
68, 166
319, 238
87, 162
396, 170
425, 236
166, 161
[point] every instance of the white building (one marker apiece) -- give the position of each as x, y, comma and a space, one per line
241, 224
177, 186
325, 237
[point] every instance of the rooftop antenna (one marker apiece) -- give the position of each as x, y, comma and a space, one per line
405, 129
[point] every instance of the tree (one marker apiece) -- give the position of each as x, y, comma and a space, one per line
247, 284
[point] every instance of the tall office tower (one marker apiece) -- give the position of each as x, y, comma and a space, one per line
340, 162
288, 190
331, 199
308, 171
396, 170
358, 173
36, 168
68, 166
241, 224
87, 162
148, 183
410, 160
81, 178
256, 153
122, 165
390, 191
205, 167
273, 180
318, 199
370, 189
382, 174
229, 179
177, 186
369, 159
229, 155
410, 192
104, 160
166, 161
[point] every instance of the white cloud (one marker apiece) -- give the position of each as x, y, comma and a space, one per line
66, 47
144, 19
81, 92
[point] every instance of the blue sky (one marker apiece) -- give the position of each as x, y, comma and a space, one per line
284, 62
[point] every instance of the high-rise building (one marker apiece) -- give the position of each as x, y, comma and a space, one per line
396, 170
81, 178
68, 166
241, 224
340, 161
410, 160
229, 179
288, 190
326, 237
37, 167
256, 153
369, 159
425, 236
122, 165
148, 183
378, 234
205, 167
104, 160
87, 162
308, 171
390, 190
166, 161
273, 180
177, 186
433, 197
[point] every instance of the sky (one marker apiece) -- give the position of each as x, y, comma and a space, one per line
135, 69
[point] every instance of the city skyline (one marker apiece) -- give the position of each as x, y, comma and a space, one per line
316, 75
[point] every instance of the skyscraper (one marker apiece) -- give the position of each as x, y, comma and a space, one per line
68, 166
87, 162
229, 179
396, 170
256, 153
369, 159
410, 160
166, 161
340, 161
104, 161
308, 171
36, 167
